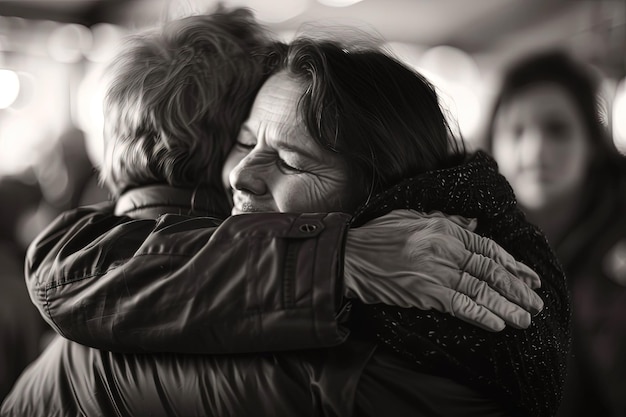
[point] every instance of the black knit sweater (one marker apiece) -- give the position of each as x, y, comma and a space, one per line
525, 369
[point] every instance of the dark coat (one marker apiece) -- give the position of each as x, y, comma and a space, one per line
88, 256
593, 253
524, 368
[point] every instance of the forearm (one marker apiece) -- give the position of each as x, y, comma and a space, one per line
180, 284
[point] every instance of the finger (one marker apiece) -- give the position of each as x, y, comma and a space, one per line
501, 280
467, 310
490, 249
484, 296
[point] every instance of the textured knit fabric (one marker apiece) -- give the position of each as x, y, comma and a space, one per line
524, 368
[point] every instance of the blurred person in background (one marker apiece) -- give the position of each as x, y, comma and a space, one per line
569, 179
67, 179
61, 180
141, 270
21, 327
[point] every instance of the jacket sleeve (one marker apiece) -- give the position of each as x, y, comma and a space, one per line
261, 282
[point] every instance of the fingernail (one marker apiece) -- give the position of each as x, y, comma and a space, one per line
497, 326
523, 320
533, 277
536, 282
537, 305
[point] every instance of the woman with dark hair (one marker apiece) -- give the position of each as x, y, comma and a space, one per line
334, 116
546, 135
295, 153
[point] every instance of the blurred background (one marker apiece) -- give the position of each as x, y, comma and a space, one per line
53, 52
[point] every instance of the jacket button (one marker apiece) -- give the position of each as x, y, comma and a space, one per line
307, 228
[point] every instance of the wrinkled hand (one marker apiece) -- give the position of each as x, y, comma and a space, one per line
433, 261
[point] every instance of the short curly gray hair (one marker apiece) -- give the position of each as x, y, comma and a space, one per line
177, 98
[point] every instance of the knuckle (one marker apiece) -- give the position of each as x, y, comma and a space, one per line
443, 247
439, 225
505, 284
490, 269
479, 291
458, 303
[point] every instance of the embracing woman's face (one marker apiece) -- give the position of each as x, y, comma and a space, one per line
277, 166
541, 145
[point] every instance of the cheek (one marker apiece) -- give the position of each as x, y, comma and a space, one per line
312, 194
505, 153
321, 195
576, 158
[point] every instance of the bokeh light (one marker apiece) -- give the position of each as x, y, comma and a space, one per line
457, 78
619, 117
67, 43
106, 40
89, 115
9, 88
338, 3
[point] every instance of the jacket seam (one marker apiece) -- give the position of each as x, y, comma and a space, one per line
56, 325
56, 284
289, 273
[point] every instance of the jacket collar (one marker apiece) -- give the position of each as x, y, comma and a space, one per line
154, 200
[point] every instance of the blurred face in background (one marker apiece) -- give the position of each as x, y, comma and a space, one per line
541, 144
276, 166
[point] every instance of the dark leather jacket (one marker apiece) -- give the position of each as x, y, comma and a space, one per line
274, 287
247, 297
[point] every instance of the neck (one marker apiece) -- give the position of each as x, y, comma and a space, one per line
555, 218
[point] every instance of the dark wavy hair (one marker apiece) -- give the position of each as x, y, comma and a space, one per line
177, 97
383, 117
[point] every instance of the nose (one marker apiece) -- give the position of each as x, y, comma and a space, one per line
532, 147
248, 175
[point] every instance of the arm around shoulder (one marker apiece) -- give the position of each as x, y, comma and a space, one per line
180, 284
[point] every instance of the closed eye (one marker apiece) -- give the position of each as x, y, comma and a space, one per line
246, 146
246, 140
288, 169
